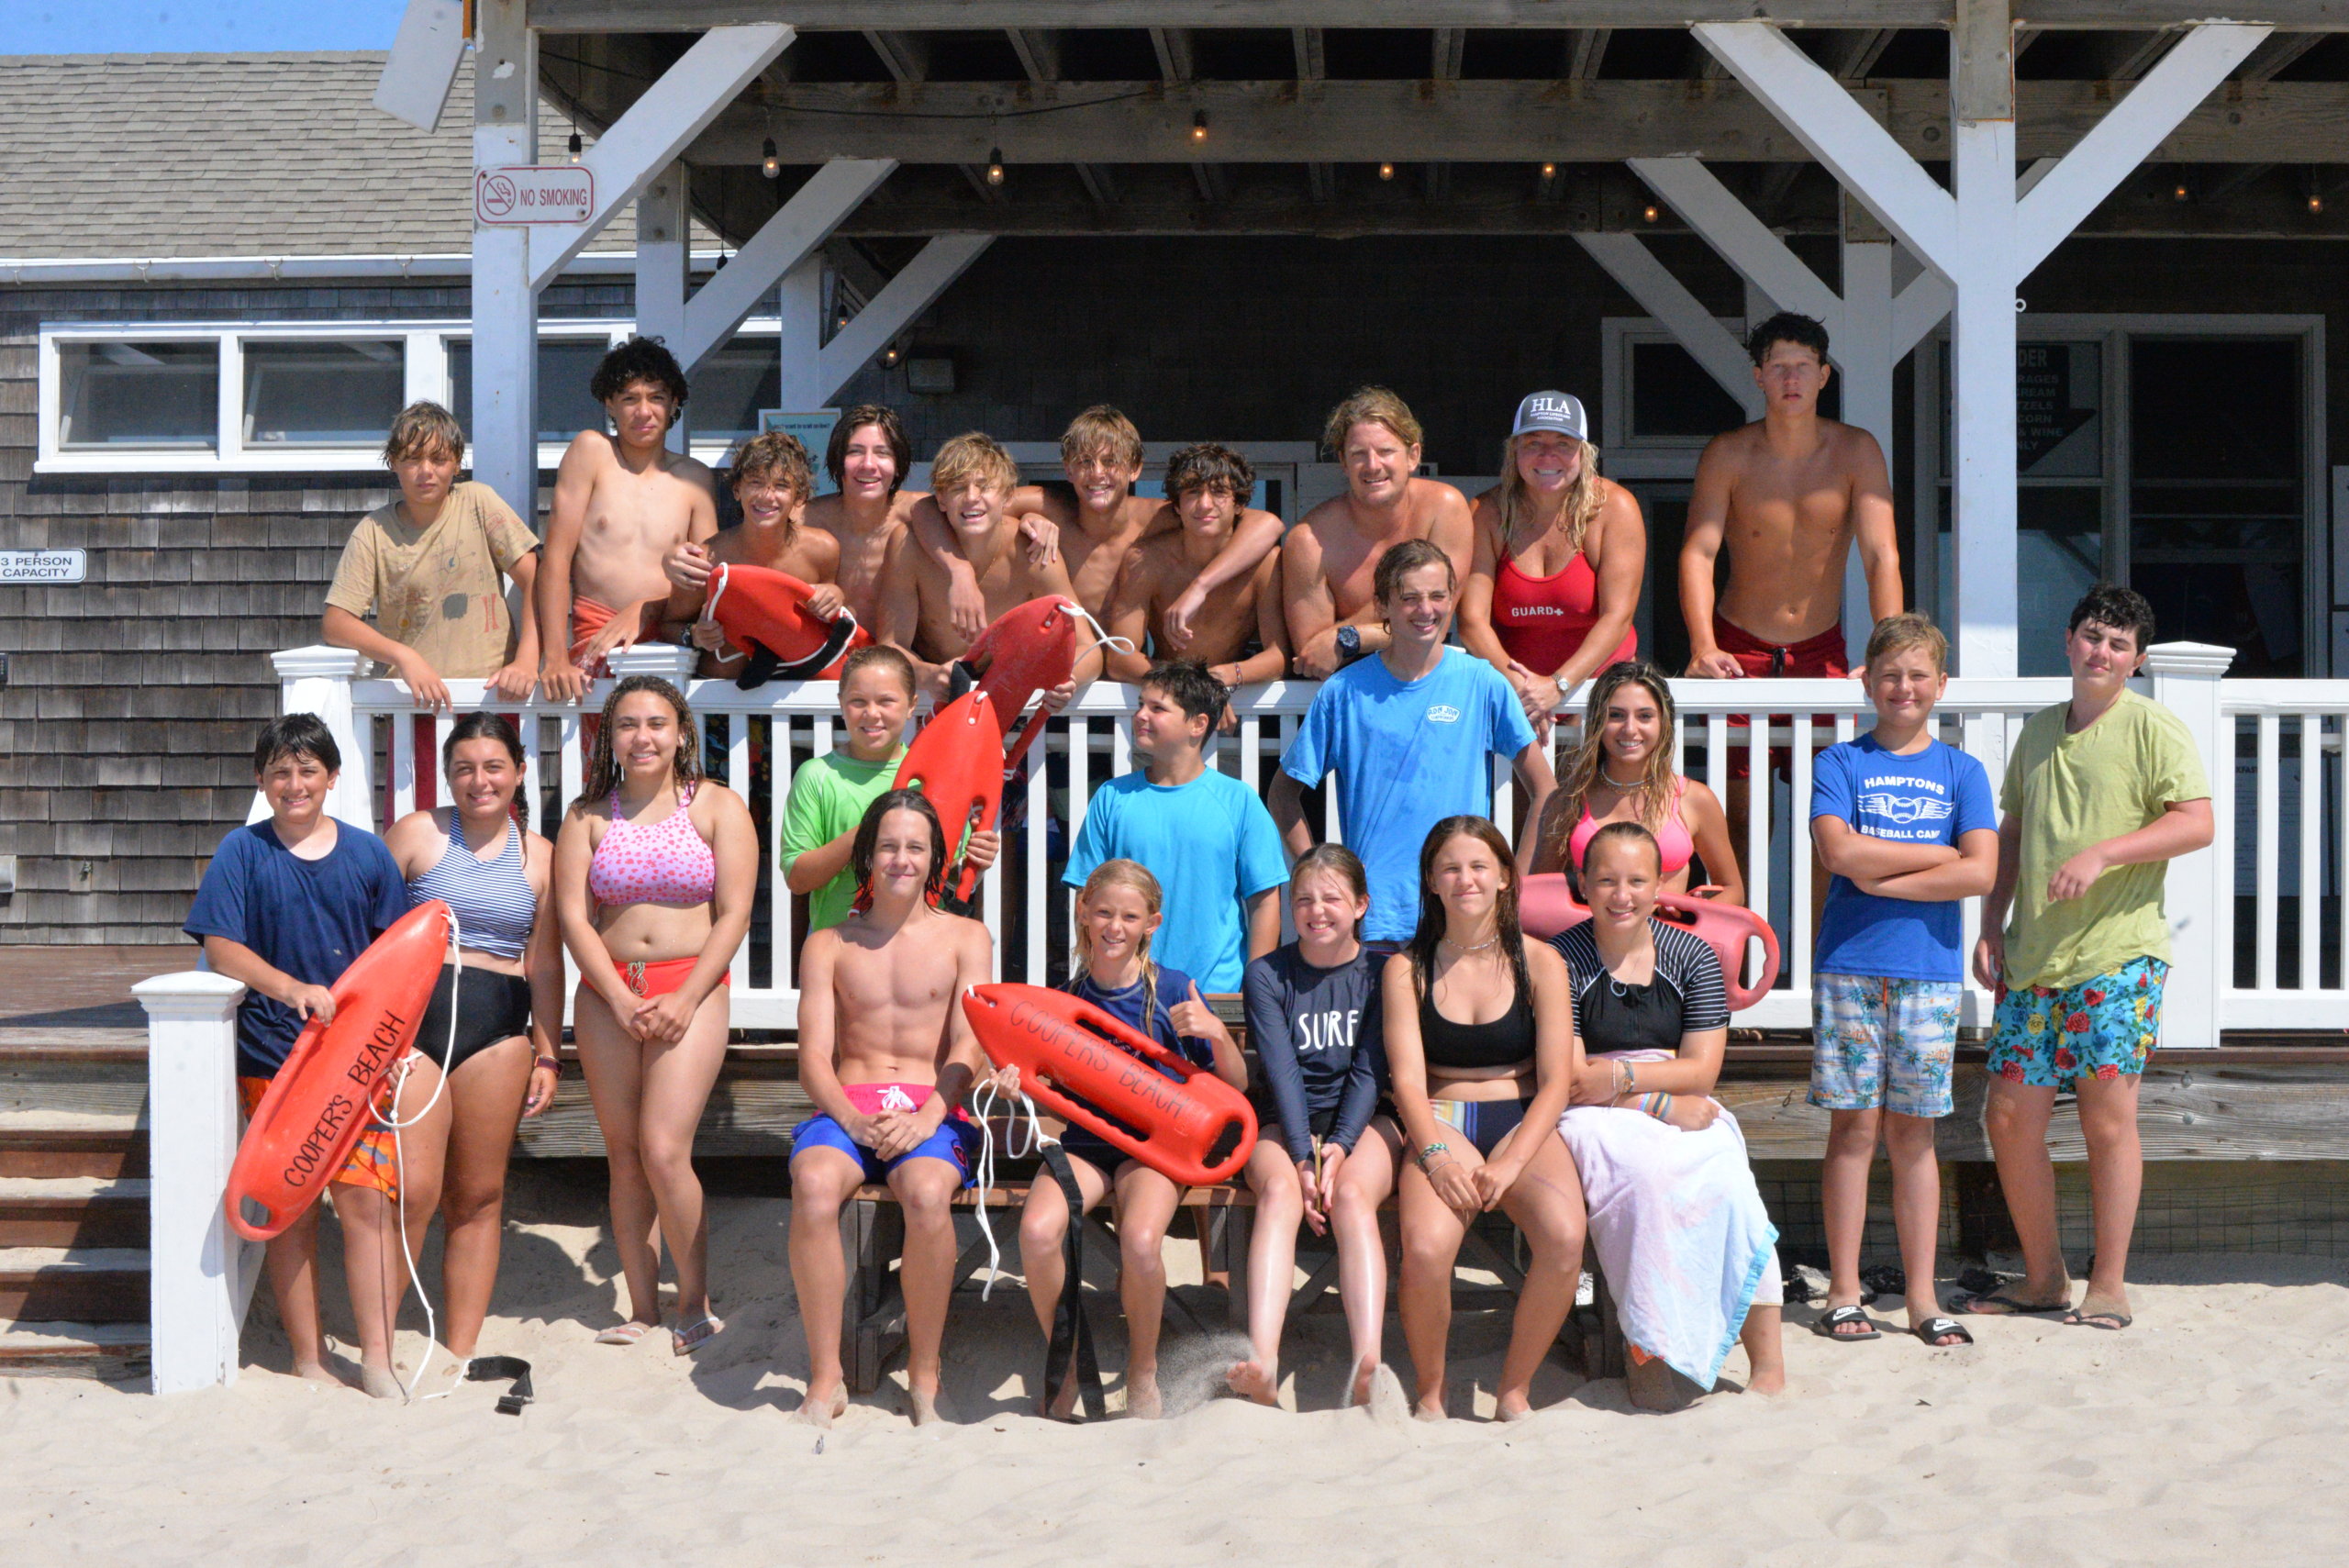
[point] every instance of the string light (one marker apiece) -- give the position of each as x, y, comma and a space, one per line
575, 144
1650, 213
1199, 126
995, 165
2316, 203
1549, 171
1386, 171
892, 355
770, 162
2178, 192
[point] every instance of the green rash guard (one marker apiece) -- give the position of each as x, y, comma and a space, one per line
830, 795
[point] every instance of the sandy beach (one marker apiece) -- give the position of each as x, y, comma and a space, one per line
2214, 1429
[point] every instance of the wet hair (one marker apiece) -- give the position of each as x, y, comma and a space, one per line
2122, 609
1333, 859
419, 430
1897, 634
1207, 466
604, 768
883, 656
639, 359
777, 455
970, 456
893, 430
1370, 405
1582, 501
1434, 922
1625, 833
296, 735
1387, 581
868, 838
1121, 874
1102, 430
1187, 684
1787, 326
482, 725
1584, 768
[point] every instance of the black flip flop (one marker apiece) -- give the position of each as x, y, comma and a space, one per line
1835, 1318
1933, 1328
2008, 1307
2111, 1322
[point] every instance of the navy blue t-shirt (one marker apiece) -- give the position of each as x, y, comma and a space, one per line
1933, 797
310, 918
1128, 1006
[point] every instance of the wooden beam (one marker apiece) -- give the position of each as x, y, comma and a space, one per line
1173, 46
1445, 55
2278, 51
1311, 63
1859, 57
854, 16
1586, 53
1039, 50
906, 56
1470, 121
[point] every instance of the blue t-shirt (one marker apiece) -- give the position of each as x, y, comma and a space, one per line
310, 918
1930, 796
1209, 842
1406, 755
1129, 1006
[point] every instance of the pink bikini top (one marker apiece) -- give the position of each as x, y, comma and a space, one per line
1672, 839
661, 863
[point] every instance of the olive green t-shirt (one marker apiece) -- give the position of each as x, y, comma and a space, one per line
441, 590
830, 795
2070, 792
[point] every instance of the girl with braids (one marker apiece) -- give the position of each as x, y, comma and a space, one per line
1480, 1049
1560, 553
1626, 770
654, 874
1117, 913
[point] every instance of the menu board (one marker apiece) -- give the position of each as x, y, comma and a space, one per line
2059, 406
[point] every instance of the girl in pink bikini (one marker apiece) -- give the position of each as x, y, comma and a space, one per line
1560, 555
655, 870
1624, 771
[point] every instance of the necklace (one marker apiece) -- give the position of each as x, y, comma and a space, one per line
1457, 947
1613, 783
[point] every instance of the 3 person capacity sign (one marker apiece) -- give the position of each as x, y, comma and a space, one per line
553, 193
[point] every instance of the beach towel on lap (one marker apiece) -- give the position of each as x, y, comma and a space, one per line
1679, 1226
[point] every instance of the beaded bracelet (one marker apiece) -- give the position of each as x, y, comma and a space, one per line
1657, 1104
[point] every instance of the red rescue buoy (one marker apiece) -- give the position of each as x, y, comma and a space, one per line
1546, 908
321, 1099
760, 608
1030, 649
957, 763
1080, 1062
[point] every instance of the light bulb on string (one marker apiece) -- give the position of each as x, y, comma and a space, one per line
770, 162
995, 165
1386, 171
1199, 126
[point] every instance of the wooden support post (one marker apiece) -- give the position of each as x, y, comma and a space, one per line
505, 297
801, 309
662, 263
201, 1273
795, 232
317, 679
2199, 889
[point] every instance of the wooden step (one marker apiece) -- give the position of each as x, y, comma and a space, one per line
109, 1351
52, 1143
73, 1211
94, 1284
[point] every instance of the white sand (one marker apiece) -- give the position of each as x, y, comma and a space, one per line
2216, 1429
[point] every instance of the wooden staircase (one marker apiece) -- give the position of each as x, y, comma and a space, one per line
74, 1186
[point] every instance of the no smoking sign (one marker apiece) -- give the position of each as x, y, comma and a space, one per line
525, 193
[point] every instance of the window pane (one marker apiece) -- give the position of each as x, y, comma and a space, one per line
565, 367
322, 395
139, 394
731, 386
2059, 555
1672, 397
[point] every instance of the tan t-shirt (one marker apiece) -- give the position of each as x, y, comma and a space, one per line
2073, 791
440, 590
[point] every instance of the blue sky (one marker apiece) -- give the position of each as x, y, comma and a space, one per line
177, 27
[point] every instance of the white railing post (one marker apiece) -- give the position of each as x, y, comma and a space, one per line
318, 680
201, 1273
2199, 891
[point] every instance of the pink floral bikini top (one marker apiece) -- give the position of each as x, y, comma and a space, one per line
666, 862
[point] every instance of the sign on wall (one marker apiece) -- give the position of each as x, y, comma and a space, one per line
43, 565
531, 192
815, 432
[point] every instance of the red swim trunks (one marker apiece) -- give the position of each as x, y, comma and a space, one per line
1814, 657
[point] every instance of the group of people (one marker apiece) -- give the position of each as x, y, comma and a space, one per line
1411, 1043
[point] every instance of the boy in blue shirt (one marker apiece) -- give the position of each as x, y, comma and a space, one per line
1907, 827
1407, 733
284, 906
1201, 832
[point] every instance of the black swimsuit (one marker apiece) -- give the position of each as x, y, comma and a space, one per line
1504, 1042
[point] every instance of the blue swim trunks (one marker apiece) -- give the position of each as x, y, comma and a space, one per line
1883, 1042
956, 1141
2049, 1036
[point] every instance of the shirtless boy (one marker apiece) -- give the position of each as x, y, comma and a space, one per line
771, 478
1787, 496
886, 1056
1330, 558
975, 477
1237, 631
622, 503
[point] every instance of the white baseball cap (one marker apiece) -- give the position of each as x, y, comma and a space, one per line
1552, 411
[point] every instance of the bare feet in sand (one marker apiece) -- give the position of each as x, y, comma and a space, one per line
818, 1409
319, 1372
1253, 1380
379, 1382
1143, 1402
1430, 1407
1513, 1407
923, 1406
1366, 1374
1768, 1383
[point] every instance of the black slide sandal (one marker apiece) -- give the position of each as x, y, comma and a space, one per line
1834, 1318
1933, 1328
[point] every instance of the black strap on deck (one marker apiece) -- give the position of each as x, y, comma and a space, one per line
1071, 1355
494, 1369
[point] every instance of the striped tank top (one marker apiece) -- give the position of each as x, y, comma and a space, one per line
492, 899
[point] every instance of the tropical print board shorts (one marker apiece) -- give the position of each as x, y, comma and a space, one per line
2047, 1035
1883, 1042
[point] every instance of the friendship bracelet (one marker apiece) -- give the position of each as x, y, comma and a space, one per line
1657, 1104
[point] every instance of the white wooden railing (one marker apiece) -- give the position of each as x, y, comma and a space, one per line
2280, 824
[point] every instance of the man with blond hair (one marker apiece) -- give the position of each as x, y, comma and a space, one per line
1330, 561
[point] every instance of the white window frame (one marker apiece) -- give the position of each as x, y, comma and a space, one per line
1620, 457
426, 358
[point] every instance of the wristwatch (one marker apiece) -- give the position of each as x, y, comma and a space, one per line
1350, 643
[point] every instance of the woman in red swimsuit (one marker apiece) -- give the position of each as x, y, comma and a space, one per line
1560, 555
1624, 771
